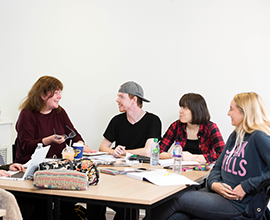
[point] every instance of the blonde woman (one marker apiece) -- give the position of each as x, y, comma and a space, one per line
243, 164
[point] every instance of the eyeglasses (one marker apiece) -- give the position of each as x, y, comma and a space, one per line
72, 134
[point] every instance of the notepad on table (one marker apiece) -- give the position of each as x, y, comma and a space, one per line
159, 177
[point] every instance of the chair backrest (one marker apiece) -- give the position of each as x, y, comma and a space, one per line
14, 150
267, 199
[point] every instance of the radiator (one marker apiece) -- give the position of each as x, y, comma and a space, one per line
4, 152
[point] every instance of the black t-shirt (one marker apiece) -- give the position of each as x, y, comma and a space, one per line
133, 136
192, 146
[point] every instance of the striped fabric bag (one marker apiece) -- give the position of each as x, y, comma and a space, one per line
60, 179
83, 165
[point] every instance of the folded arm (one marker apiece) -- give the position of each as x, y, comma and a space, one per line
145, 151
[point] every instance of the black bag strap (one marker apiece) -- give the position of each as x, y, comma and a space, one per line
71, 164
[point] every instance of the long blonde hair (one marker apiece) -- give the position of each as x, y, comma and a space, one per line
255, 114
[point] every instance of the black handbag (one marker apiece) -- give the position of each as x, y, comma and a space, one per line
257, 207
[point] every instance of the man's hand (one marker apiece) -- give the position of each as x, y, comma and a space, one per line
119, 151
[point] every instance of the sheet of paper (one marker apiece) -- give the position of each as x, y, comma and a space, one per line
12, 172
27, 163
162, 178
95, 154
168, 162
107, 158
128, 155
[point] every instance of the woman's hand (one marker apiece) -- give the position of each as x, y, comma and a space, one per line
16, 167
186, 156
88, 150
224, 190
166, 155
4, 173
240, 193
53, 139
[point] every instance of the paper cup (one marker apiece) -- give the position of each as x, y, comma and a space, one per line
78, 150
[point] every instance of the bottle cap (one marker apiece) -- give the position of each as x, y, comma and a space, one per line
39, 145
177, 143
155, 140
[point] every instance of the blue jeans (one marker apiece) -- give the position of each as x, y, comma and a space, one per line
200, 204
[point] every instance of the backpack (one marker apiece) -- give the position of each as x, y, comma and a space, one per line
257, 207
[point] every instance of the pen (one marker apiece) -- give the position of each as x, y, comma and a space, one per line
107, 171
166, 174
187, 168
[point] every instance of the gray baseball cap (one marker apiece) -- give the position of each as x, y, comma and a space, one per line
133, 89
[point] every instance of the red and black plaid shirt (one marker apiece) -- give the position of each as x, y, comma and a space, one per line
209, 139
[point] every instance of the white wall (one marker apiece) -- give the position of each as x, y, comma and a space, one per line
215, 48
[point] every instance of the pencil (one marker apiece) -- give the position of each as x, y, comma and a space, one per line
166, 174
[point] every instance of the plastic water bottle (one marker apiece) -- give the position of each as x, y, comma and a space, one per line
154, 153
177, 158
39, 146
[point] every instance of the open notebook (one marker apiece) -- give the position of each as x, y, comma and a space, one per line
37, 158
161, 177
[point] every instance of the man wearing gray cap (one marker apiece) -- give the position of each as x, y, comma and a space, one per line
134, 130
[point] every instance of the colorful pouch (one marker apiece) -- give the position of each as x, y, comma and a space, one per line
60, 179
83, 165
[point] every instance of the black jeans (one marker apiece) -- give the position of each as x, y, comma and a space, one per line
196, 204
